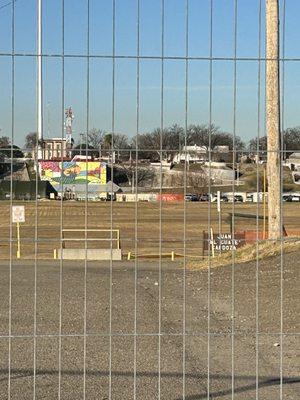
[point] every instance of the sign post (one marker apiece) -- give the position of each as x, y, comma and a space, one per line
213, 242
18, 215
264, 203
18, 238
219, 212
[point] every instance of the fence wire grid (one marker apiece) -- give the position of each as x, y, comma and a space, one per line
176, 317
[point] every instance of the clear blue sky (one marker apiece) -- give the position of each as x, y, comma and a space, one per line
75, 86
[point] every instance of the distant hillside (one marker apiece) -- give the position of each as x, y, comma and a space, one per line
251, 173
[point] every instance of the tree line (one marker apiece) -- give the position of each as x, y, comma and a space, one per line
290, 141
151, 145
170, 140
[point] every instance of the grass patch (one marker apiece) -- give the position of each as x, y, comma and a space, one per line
247, 253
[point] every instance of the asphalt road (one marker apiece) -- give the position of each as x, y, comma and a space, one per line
52, 356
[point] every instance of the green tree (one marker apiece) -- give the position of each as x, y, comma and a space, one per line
107, 141
6, 149
82, 149
4, 142
30, 141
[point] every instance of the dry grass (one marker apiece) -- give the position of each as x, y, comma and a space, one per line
250, 252
139, 225
250, 173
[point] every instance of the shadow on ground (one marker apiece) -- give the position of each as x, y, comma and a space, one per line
263, 381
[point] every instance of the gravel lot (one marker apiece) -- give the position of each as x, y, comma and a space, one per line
166, 366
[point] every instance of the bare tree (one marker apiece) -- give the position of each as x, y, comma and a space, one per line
205, 135
273, 118
117, 141
198, 180
137, 175
290, 137
258, 144
95, 138
169, 140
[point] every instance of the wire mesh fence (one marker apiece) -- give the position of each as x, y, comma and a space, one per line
140, 265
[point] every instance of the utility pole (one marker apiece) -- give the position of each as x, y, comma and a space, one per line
48, 119
81, 140
39, 82
273, 119
100, 151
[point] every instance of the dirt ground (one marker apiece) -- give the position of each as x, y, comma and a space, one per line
148, 228
146, 330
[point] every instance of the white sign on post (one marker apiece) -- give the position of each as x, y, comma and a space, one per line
18, 214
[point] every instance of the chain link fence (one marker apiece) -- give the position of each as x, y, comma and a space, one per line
134, 249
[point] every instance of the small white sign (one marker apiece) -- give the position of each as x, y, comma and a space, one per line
18, 214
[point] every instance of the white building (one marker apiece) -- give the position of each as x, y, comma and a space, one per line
199, 154
54, 149
191, 154
293, 162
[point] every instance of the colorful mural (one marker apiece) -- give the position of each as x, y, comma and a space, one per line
73, 172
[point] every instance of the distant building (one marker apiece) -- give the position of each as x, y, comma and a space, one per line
191, 154
221, 149
294, 161
55, 149
91, 192
25, 190
221, 154
73, 172
200, 154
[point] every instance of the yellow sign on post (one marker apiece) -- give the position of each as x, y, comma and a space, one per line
18, 215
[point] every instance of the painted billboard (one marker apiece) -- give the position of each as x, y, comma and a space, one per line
73, 172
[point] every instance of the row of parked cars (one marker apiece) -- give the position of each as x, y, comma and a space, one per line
196, 197
237, 198
290, 197
206, 197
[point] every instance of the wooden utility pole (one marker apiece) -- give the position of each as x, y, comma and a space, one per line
273, 119
39, 83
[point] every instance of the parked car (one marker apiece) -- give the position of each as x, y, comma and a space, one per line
204, 197
286, 197
294, 198
224, 198
191, 197
238, 198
